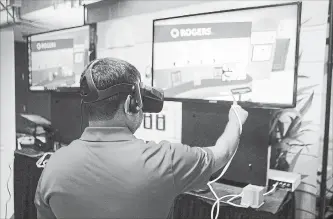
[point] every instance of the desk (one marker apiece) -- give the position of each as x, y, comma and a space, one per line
280, 205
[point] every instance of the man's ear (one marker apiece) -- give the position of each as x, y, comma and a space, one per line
127, 105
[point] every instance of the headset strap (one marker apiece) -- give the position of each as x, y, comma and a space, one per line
95, 95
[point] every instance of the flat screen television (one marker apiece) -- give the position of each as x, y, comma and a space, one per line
250, 52
57, 58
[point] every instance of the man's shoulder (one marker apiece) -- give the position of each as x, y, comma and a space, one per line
66, 155
68, 149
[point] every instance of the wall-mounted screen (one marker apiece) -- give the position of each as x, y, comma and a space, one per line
251, 52
57, 58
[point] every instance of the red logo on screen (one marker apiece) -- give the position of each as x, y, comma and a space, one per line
188, 32
46, 45
174, 33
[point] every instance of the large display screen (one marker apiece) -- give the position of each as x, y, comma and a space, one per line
252, 53
57, 59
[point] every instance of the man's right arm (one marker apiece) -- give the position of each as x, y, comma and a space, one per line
227, 143
43, 209
192, 167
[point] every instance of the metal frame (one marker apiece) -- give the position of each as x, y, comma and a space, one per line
92, 48
245, 104
323, 184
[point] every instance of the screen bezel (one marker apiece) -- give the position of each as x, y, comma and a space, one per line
243, 103
92, 27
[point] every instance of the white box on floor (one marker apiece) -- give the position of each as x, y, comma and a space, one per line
285, 180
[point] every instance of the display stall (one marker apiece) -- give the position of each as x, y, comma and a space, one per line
205, 62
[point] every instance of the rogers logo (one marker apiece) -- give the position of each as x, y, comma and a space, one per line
188, 32
48, 45
174, 33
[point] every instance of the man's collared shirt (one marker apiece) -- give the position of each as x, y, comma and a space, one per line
109, 173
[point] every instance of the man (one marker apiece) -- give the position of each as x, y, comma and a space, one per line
108, 173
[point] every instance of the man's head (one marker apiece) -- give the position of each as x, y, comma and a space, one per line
113, 111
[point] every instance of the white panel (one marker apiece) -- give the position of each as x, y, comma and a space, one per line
119, 33
172, 112
62, 17
312, 44
7, 117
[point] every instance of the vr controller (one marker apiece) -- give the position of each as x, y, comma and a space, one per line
142, 97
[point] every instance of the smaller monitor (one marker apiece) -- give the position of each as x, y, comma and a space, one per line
57, 58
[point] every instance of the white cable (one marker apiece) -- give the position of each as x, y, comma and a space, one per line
234, 106
41, 163
8, 190
209, 184
272, 190
229, 202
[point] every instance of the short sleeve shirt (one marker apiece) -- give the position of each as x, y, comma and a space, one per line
108, 173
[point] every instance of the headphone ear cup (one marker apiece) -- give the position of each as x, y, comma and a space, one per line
132, 105
84, 88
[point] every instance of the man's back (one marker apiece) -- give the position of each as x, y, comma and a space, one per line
122, 178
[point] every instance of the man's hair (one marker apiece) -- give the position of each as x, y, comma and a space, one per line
108, 72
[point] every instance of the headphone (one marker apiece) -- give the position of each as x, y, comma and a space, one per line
141, 97
91, 94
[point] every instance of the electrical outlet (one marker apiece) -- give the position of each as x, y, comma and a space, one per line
329, 171
329, 179
280, 184
285, 180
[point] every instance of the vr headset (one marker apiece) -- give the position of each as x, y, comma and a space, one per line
145, 98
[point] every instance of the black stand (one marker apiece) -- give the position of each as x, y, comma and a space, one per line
323, 186
26, 176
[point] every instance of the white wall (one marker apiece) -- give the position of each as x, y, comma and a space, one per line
7, 119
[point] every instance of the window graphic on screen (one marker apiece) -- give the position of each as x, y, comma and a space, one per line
57, 59
176, 78
250, 52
